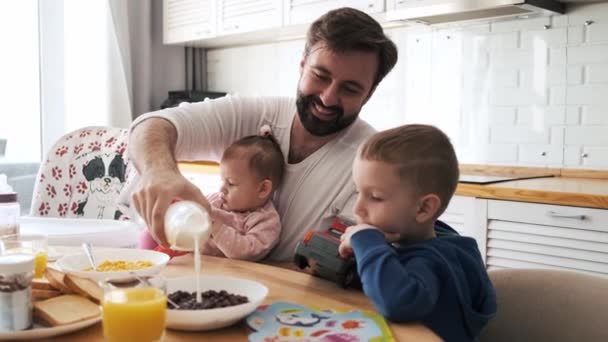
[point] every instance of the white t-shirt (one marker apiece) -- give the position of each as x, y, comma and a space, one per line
314, 191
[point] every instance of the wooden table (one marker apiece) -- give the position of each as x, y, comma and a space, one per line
283, 285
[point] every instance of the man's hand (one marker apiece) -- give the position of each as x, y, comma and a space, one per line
156, 191
345, 249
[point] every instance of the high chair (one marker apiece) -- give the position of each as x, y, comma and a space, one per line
82, 175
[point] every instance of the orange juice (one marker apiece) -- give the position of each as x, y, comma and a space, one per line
40, 264
134, 314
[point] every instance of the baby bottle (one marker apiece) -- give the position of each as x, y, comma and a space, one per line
185, 222
9, 209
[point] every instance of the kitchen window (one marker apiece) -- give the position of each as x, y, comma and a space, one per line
20, 84
60, 69
20, 120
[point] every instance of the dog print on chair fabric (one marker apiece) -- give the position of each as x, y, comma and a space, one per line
82, 175
106, 176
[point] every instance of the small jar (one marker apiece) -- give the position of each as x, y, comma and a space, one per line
16, 273
186, 221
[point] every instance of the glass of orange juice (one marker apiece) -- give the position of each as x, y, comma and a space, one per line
135, 310
34, 244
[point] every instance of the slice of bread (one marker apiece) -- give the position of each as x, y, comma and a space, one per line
57, 280
42, 284
65, 309
41, 294
84, 287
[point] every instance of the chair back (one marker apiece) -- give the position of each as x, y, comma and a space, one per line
82, 175
548, 305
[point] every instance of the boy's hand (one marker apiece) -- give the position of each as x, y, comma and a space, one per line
345, 249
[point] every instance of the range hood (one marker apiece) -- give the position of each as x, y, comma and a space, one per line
444, 11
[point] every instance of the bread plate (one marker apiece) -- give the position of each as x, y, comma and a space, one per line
209, 319
77, 264
39, 331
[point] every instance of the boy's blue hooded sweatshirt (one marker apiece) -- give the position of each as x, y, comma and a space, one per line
441, 283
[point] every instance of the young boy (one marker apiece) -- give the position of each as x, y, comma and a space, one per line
405, 178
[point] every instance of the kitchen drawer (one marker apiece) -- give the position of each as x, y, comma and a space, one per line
549, 215
498, 263
530, 235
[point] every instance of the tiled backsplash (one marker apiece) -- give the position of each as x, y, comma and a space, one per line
521, 92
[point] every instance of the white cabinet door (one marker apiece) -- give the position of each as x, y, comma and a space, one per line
307, 11
236, 16
531, 235
188, 20
467, 215
397, 4
458, 214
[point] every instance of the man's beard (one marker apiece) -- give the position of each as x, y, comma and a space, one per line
316, 126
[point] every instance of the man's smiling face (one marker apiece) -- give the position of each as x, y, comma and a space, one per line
333, 87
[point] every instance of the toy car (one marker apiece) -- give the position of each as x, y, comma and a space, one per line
319, 251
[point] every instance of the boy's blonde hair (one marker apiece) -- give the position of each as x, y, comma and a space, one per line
424, 156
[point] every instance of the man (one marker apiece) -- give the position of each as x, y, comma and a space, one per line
346, 56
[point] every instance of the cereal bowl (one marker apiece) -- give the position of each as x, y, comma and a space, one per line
78, 264
209, 319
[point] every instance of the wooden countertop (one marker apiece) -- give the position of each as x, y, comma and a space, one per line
572, 187
283, 285
579, 192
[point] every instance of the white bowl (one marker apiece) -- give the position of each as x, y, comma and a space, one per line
76, 264
208, 319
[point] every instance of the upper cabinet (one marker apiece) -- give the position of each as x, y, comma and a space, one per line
188, 20
306, 11
212, 23
236, 16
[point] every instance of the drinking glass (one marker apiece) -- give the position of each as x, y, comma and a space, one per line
33, 244
134, 310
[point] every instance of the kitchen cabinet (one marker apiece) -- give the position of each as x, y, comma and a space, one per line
236, 16
467, 215
188, 20
533, 235
306, 11
392, 5
212, 23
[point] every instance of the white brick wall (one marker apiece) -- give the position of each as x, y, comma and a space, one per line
595, 115
509, 92
588, 54
597, 73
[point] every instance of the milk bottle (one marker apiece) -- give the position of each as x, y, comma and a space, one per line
186, 223
9, 209
187, 226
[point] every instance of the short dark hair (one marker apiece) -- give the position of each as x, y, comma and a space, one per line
424, 155
348, 29
265, 156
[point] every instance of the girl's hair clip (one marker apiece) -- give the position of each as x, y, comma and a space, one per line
265, 131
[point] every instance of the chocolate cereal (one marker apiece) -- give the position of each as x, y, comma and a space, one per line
211, 299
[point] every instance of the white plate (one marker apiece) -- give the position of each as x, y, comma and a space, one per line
73, 232
39, 331
76, 264
197, 320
